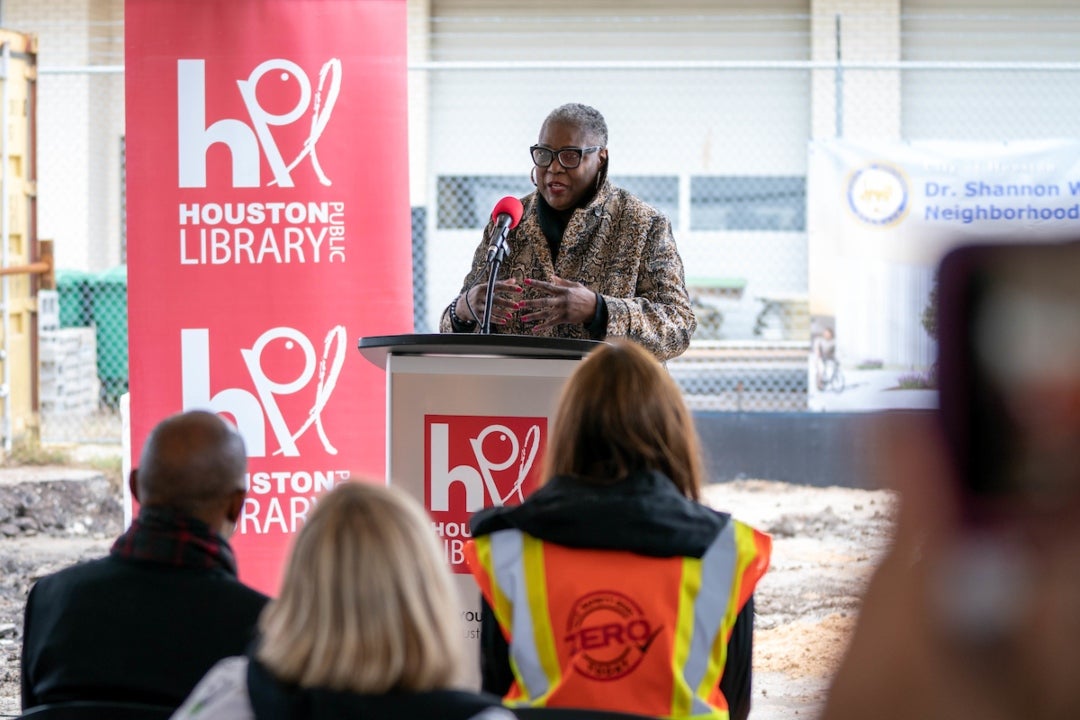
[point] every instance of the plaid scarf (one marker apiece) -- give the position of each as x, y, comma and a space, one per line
163, 535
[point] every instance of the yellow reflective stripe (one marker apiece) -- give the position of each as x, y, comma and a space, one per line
500, 603
506, 561
517, 566
718, 656
683, 696
543, 634
746, 553
709, 650
744, 550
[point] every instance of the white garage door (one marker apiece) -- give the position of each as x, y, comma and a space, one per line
1031, 93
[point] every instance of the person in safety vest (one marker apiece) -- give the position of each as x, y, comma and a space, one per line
611, 587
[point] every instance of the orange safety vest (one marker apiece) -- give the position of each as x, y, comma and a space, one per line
614, 630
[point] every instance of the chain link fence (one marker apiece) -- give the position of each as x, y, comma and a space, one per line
83, 346
709, 119
83, 356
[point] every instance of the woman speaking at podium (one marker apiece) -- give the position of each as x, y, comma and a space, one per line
588, 260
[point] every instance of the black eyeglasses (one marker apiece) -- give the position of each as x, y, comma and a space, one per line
569, 157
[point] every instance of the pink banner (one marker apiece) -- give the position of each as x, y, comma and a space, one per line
268, 229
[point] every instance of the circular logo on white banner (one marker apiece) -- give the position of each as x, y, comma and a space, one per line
878, 194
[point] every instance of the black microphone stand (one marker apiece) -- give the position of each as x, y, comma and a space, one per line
496, 254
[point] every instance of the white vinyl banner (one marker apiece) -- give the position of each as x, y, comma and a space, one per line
880, 217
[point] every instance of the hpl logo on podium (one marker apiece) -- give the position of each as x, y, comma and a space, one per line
476, 461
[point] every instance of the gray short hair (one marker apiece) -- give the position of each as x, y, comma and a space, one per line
587, 118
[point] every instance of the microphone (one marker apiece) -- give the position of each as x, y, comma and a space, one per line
506, 216
507, 212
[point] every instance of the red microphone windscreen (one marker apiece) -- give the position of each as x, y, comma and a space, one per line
512, 207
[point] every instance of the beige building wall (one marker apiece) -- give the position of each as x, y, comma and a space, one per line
80, 125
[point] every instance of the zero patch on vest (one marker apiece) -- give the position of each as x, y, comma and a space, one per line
608, 635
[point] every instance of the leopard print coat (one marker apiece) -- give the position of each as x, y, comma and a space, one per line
617, 246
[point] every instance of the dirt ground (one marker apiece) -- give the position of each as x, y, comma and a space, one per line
50, 517
826, 541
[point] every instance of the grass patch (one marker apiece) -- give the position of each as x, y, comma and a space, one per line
915, 381
110, 466
32, 452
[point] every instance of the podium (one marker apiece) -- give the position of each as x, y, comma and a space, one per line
467, 419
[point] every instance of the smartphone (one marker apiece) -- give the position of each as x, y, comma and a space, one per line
1009, 374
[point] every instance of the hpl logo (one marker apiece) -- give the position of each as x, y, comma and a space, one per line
472, 462
252, 410
244, 140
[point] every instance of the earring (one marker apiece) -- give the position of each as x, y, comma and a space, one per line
532, 175
601, 175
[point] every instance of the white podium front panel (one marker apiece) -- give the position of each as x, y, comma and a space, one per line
466, 432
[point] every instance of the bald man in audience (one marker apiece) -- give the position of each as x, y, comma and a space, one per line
145, 623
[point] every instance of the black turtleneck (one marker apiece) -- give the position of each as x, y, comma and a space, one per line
553, 222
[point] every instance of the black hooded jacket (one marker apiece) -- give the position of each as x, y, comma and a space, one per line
274, 700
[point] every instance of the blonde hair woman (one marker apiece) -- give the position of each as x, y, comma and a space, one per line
366, 624
611, 587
